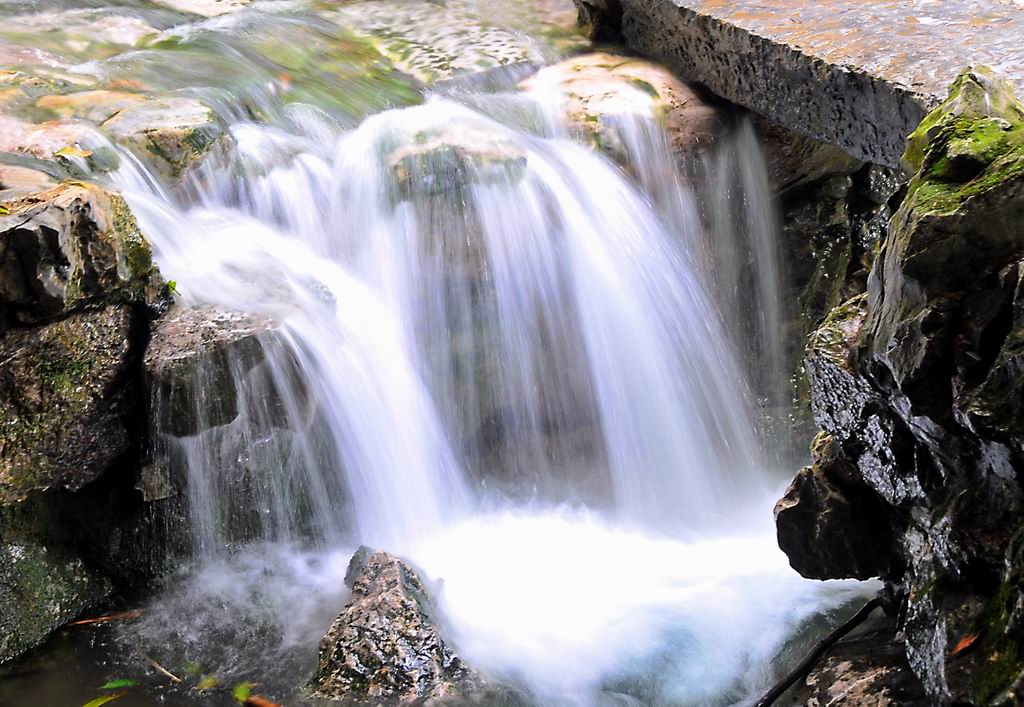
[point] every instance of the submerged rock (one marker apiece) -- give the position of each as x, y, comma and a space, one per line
601, 90
94, 106
40, 590
917, 387
388, 646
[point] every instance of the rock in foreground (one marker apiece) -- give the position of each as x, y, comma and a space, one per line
918, 388
387, 644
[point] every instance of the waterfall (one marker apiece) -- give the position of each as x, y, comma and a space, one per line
501, 355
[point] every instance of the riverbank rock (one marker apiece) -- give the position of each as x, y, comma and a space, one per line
41, 590
64, 389
917, 386
868, 668
387, 646
71, 247
172, 134
600, 91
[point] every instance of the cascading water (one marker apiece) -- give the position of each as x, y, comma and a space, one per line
493, 352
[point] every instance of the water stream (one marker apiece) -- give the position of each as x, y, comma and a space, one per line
495, 353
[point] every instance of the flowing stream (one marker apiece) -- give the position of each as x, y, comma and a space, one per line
494, 352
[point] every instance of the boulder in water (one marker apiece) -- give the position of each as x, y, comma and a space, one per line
388, 645
173, 134
94, 106
601, 90
196, 353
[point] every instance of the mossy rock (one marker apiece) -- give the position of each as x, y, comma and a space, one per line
70, 247
41, 589
65, 391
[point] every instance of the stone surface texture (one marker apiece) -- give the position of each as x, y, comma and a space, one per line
853, 73
917, 385
387, 646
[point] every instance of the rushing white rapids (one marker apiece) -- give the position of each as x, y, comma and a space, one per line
483, 332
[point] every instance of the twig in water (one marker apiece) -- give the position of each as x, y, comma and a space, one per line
818, 652
108, 617
160, 668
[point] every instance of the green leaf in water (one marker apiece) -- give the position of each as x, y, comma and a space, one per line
172, 287
242, 691
208, 683
104, 700
118, 684
4, 210
191, 667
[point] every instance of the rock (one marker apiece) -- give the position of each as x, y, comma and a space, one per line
57, 144
387, 645
439, 162
41, 590
172, 134
831, 525
794, 161
205, 8
602, 89
868, 668
194, 356
71, 247
65, 389
432, 42
916, 384
16, 182
823, 69
94, 106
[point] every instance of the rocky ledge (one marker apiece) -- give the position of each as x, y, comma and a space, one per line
917, 385
859, 75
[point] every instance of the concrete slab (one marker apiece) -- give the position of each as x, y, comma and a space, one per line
856, 73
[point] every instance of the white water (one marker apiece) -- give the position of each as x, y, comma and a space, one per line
474, 349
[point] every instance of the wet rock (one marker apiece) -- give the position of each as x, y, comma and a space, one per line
205, 8
439, 162
866, 669
16, 182
831, 524
387, 645
65, 389
794, 160
172, 134
74, 246
41, 589
194, 356
433, 43
823, 69
915, 382
94, 106
57, 145
602, 90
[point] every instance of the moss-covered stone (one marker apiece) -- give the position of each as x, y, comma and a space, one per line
64, 391
71, 247
41, 589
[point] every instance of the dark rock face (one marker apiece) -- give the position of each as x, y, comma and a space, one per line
916, 385
387, 646
77, 290
68, 248
41, 590
64, 391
